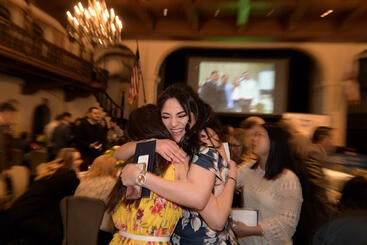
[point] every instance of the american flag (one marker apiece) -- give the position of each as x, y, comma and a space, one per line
136, 77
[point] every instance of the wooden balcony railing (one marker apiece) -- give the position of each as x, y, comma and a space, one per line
28, 56
35, 53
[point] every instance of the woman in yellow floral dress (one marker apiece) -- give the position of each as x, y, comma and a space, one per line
148, 220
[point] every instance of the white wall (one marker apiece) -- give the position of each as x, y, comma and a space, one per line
334, 61
327, 97
10, 89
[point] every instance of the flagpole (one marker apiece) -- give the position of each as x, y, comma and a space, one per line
142, 79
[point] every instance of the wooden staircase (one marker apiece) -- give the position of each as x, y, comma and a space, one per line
109, 105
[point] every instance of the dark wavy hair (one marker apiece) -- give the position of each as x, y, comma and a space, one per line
144, 123
193, 106
211, 121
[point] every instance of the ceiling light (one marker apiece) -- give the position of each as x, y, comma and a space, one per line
165, 12
326, 13
271, 12
216, 13
94, 24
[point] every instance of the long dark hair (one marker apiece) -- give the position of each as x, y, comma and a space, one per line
144, 123
280, 154
193, 106
210, 120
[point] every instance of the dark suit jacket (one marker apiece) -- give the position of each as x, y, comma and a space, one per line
210, 93
87, 133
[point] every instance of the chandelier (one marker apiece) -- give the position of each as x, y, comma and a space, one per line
94, 24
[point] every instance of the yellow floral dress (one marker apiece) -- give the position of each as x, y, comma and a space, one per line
155, 218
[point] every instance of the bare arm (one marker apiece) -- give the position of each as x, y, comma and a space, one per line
193, 193
125, 151
168, 149
221, 205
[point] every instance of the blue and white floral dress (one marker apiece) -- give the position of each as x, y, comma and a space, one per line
191, 228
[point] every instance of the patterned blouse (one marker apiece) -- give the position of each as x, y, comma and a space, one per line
191, 228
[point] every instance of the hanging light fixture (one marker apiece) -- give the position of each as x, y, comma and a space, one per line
94, 24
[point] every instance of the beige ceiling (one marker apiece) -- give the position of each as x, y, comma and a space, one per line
276, 20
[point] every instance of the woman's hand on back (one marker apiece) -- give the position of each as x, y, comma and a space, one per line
170, 151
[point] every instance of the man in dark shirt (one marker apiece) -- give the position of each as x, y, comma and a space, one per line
211, 91
90, 137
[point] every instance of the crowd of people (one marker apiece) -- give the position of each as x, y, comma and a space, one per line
191, 181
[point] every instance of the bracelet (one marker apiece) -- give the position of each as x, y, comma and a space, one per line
231, 178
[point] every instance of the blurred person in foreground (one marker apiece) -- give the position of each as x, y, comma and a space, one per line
98, 183
314, 195
34, 218
349, 226
316, 158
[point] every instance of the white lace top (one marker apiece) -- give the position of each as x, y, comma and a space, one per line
278, 201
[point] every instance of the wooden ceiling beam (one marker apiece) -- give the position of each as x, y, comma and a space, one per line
297, 14
192, 15
142, 13
358, 12
194, 18
314, 30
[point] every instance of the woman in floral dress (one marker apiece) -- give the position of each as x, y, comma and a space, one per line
148, 220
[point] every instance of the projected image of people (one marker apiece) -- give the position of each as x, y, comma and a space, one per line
246, 93
211, 90
237, 87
